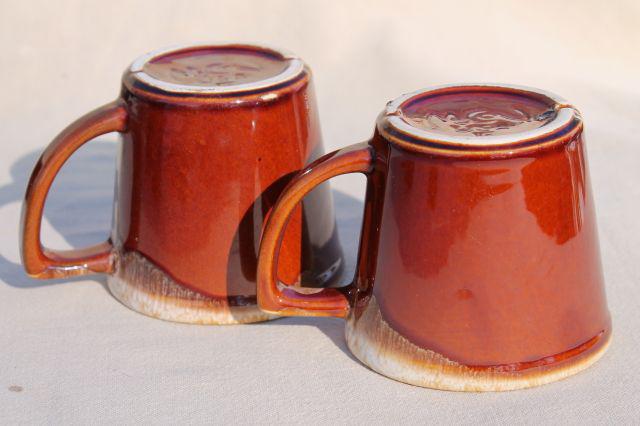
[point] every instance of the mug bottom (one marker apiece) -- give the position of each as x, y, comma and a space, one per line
384, 350
145, 288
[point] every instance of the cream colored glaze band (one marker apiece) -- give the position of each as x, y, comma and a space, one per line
387, 352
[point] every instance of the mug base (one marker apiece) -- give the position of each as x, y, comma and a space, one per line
144, 288
384, 350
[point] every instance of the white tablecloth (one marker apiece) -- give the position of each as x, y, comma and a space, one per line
71, 354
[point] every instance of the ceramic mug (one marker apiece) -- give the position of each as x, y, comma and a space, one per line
211, 134
478, 266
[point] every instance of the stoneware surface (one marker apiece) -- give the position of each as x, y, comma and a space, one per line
479, 265
210, 135
72, 355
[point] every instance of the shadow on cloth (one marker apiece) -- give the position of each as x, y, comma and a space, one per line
80, 204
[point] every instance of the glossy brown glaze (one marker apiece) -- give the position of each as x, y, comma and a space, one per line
39, 261
286, 300
479, 266
197, 174
497, 248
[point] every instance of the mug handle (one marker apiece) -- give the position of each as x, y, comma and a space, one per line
39, 261
275, 297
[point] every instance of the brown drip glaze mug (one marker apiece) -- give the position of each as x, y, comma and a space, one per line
478, 267
211, 134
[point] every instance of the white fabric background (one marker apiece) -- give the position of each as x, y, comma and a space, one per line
80, 357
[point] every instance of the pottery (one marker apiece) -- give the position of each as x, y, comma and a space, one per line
210, 136
479, 265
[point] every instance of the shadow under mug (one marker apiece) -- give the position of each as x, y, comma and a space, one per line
210, 136
479, 266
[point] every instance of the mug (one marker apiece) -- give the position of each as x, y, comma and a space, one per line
210, 136
478, 266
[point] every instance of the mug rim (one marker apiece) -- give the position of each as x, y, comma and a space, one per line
294, 68
565, 124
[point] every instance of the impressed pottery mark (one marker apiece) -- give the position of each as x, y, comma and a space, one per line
478, 114
214, 73
214, 68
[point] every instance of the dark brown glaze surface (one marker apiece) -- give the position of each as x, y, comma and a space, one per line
196, 182
479, 264
39, 261
214, 67
491, 262
484, 114
274, 298
198, 172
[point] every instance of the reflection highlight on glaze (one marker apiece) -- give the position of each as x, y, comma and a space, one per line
481, 255
559, 214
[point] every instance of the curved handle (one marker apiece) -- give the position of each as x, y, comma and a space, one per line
40, 262
275, 297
